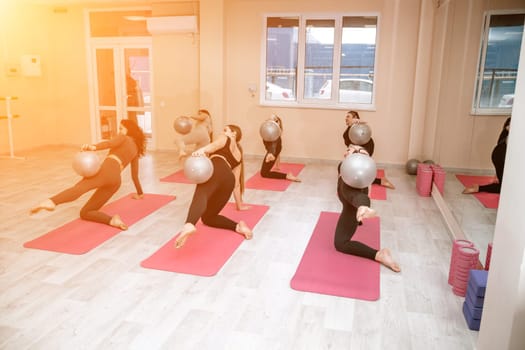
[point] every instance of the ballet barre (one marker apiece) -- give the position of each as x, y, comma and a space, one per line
9, 116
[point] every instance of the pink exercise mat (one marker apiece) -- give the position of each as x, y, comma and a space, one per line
208, 249
178, 177
324, 270
80, 236
257, 182
378, 192
489, 200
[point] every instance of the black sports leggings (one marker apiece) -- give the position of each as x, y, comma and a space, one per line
498, 159
210, 197
266, 169
106, 182
351, 198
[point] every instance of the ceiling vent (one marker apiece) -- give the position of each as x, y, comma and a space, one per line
172, 24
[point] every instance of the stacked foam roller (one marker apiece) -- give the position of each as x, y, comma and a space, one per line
475, 297
424, 179
438, 177
467, 259
427, 175
458, 243
464, 258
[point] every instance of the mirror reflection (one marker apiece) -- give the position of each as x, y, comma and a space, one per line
473, 198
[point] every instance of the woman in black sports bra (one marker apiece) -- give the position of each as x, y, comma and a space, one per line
498, 159
356, 207
271, 159
125, 148
351, 118
210, 197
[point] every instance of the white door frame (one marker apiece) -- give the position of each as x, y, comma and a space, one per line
118, 45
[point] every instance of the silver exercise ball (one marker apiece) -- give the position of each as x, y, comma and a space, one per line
270, 130
182, 125
358, 170
360, 133
198, 169
411, 166
86, 163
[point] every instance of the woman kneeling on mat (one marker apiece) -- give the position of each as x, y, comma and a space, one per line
211, 196
356, 207
127, 147
272, 157
498, 159
201, 133
352, 117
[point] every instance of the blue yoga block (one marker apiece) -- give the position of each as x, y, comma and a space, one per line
471, 322
474, 304
475, 301
478, 281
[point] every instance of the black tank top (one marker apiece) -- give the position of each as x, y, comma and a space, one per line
227, 154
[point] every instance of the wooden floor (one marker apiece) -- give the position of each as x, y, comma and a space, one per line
105, 300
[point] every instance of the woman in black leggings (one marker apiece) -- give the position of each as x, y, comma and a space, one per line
498, 159
272, 157
352, 117
126, 148
210, 197
356, 207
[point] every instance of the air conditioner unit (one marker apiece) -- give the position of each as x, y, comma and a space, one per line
172, 24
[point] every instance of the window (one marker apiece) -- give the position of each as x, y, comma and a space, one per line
305, 55
281, 58
498, 63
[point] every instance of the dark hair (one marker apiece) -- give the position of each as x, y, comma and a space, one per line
205, 111
354, 114
279, 121
238, 137
504, 132
507, 123
136, 133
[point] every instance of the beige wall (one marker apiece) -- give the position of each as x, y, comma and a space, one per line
316, 133
50, 110
425, 77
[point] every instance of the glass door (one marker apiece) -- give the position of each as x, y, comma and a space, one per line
123, 87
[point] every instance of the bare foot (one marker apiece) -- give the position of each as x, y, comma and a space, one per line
243, 229
385, 257
292, 177
45, 205
471, 189
364, 212
387, 184
117, 222
187, 230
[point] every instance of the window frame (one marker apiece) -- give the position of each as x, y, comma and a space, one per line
300, 101
482, 53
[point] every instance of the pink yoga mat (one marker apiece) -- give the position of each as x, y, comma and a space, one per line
178, 177
80, 236
378, 192
257, 182
489, 200
324, 270
208, 249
